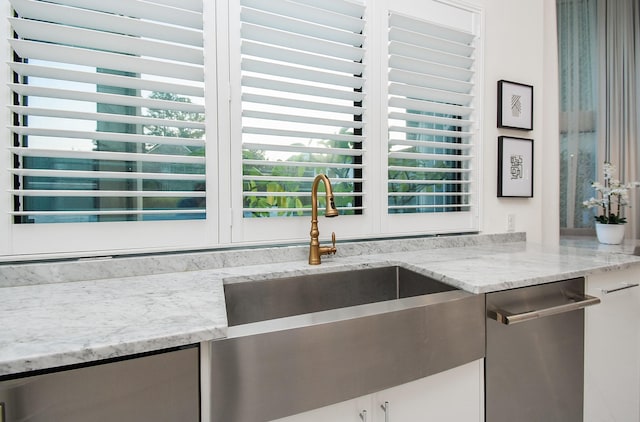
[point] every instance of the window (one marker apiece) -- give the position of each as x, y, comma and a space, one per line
164, 124
109, 117
301, 112
577, 51
432, 118
430, 108
301, 104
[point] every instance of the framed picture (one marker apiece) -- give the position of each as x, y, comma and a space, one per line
515, 105
515, 167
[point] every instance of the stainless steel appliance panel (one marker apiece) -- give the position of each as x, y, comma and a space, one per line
159, 387
535, 353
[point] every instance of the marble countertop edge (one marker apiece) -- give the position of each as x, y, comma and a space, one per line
46, 360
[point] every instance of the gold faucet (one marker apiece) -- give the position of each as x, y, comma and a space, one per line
315, 250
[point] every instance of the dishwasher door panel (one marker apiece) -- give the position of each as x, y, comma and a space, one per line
535, 369
159, 387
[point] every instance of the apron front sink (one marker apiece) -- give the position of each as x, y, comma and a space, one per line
299, 343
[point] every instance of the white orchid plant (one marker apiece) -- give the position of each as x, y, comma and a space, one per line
613, 196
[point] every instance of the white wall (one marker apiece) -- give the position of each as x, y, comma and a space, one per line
520, 46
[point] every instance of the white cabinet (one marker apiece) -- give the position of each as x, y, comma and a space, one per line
612, 348
356, 410
452, 395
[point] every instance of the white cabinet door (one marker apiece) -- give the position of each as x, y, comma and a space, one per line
452, 395
612, 348
356, 410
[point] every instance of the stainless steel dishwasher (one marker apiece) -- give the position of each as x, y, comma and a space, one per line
534, 367
158, 387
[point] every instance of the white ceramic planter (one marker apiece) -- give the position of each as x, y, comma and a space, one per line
610, 234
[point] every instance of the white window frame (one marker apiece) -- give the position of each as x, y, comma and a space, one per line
6, 234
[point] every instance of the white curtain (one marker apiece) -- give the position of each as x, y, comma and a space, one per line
619, 38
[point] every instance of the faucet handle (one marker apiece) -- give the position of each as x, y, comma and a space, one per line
333, 241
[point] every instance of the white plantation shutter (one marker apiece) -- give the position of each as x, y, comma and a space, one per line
302, 99
108, 110
431, 117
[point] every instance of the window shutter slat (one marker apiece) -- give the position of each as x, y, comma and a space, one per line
429, 94
425, 170
302, 74
295, 41
267, 163
429, 81
102, 193
106, 155
304, 149
109, 110
429, 68
300, 104
104, 117
463, 61
107, 136
184, 15
438, 120
294, 88
301, 119
103, 41
75, 215
399, 21
54, 73
106, 175
93, 97
432, 157
286, 179
105, 60
305, 59
430, 107
114, 23
330, 13
310, 29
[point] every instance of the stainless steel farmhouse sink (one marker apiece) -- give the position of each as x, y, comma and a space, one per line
299, 343
282, 297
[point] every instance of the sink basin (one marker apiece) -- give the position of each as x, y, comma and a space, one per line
299, 343
282, 297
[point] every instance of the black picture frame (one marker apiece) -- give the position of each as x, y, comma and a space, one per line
515, 167
515, 105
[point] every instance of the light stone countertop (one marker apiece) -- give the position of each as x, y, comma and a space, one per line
70, 321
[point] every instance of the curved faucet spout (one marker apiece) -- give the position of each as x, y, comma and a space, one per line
315, 250
330, 210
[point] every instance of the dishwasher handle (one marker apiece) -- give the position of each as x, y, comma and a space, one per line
508, 318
